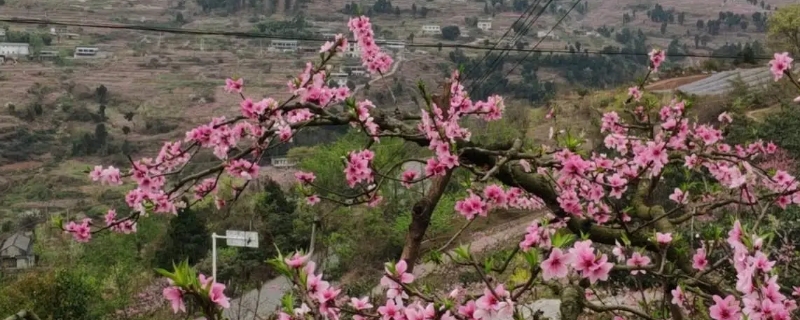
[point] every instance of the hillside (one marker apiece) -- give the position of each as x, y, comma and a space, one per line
61, 114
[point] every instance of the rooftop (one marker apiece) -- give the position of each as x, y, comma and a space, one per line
19, 240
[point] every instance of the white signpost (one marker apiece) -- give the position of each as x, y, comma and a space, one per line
233, 238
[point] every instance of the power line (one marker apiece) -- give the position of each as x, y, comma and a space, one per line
529, 11
268, 36
538, 43
497, 61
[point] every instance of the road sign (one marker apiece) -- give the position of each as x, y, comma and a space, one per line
236, 238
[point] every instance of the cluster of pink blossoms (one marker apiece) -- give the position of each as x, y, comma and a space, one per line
780, 65
121, 226
657, 57
216, 293
581, 258
585, 187
82, 232
375, 60
359, 167
399, 305
109, 176
441, 125
495, 197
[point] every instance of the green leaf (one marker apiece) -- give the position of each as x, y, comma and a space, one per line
287, 301
391, 266
561, 240
463, 252
166, 273
435, 256
532, 257
58, 221
625, 240
487, 265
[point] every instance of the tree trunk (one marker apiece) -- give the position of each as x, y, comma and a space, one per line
572, 298
421, 219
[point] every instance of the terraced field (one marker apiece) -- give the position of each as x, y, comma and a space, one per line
720, 83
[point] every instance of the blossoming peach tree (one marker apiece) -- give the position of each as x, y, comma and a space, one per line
604, 211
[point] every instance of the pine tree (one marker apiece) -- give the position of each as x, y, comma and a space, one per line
187, 238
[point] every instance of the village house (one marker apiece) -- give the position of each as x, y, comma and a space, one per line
485, 24
17, 251
353, 50
282, 162
12, 49
283, 45
340, 78
86, 52
47, 54
394, 44
543, 34
431, 29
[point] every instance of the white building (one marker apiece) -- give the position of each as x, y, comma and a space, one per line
431, 29
543, 34
394, 44
340, 78
14, 49
17, 251
284, 45
86, 52
485, 24
282, 162
353, 50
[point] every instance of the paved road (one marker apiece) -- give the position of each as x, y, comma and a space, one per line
259, 304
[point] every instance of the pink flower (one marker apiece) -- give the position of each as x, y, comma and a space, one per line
663, 238
526, 166
678, 298
360, 304
217, 295
175, 297
637, 260
635, 93
780, 64
234, 85
471, 206
400, 272
305, 177
109, 176
724, 118
313, 199
699, 260
408, 178
679, 196
297, 260
599, 270
556, 266
727, 309
656, 58
243, 168
80, 232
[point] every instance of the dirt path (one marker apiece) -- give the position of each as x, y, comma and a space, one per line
752, 113
395, 67
480, 241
